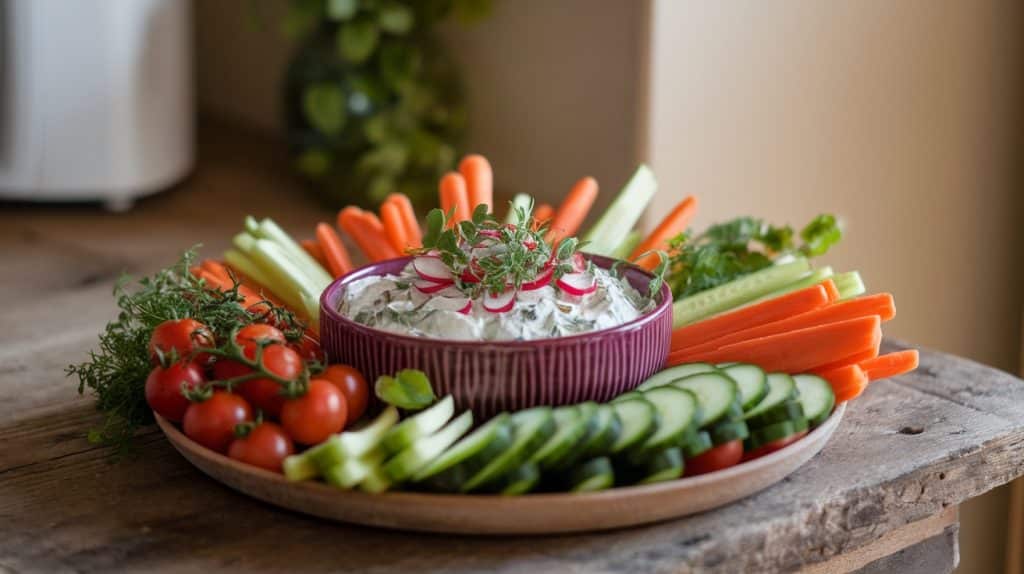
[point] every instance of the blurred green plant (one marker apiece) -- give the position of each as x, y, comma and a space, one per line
373, 103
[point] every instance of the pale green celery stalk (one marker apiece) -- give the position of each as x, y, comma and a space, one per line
312, 307
273, 260
626, 247
813, 278
251, 269
612, 229
252, 226
310, 266
737, 292
849, 285
522, 200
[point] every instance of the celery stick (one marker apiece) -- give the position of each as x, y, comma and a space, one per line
612, 229
246, 266
737, 292
627, 246
272, 259
270, 230
521, 200
849, 284
298, 467
813, 278
312, 307
353, 471
251, 225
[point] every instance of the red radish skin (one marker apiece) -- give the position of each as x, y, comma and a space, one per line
544, 278
500, 303
468, 308
432, 269
429, 287
577, 284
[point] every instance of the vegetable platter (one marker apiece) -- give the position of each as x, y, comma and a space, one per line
736, 356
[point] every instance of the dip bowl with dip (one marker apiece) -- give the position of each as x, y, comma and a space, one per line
491, 374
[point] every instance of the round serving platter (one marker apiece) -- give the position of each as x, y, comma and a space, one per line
528, 514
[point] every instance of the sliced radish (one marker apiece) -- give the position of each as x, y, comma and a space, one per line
429, 287
432, 269
459, 304
492, 233
530, 244
579, 264
541, 280
501, 302
577, 283
467, 308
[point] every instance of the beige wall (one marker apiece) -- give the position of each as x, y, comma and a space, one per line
903, 117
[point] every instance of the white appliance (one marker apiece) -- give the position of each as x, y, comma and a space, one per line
96, 99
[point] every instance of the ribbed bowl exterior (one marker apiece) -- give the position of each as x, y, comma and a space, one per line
490, 377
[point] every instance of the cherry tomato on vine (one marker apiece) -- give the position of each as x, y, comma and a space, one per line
773, 446
163, 388
251, 335
211, 423
263, 393
722, 456
182, 337
266, 446
309, 348
316, 415
351, 384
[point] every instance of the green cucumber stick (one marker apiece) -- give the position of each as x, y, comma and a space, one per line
310, 266
813, 278
612, 229
849, 285
521, 200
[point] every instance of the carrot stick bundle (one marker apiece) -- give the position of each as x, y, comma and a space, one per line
573, 211
413, 233
313, 248
674, 223
542, 214
479, 181
847, 382
795, 351
391, 216
368, 232
454, 197
710, 330
890, 365
336, 258
854, 359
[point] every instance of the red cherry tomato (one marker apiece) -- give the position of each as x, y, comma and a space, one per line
181, 336
266, 446
251, 335
163, 388
316, 415
309, 349
211, 423
265, 394
351, 384
722, 456
773, 446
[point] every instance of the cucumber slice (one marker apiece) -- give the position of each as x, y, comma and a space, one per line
467, 457
594, 427
787, 410
407, 463
816, 397
728, 431
593, 475
665, 465
677, 413
621, 216
849, 285
419, 425
774, 432
716, 394
627, 396
780, 388
671, 374
530, 430
736, 292
639, 420
353, 444
727, 365
570, 425
354, 470
299, 467
752, 383
697, 445
520, 480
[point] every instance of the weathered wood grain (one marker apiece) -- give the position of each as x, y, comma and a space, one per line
908, 449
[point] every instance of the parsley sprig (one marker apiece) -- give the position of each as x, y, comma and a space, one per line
729, 250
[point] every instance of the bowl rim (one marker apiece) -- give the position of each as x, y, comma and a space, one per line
328, 311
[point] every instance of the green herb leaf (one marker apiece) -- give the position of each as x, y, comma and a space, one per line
409, 389
435, 226
324, 107
357, 39
819, 235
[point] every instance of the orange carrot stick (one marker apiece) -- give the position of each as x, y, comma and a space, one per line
409, 221
454, 197
368, 233
391, 216
847, 382
854, 359
336, 258
833, 292
315, 251
674, 223
880, 304
224, 283
710, 330
795, 351
573, 211
479, 181
890, 365
542, 214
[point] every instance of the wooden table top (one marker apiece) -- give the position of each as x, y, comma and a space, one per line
908, 449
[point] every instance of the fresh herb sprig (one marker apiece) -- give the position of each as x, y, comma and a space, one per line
729, 250
486, 256
116, 372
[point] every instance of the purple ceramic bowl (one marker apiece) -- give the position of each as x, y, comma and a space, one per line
493, 376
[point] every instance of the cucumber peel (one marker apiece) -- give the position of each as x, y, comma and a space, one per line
612, 229
737, 292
